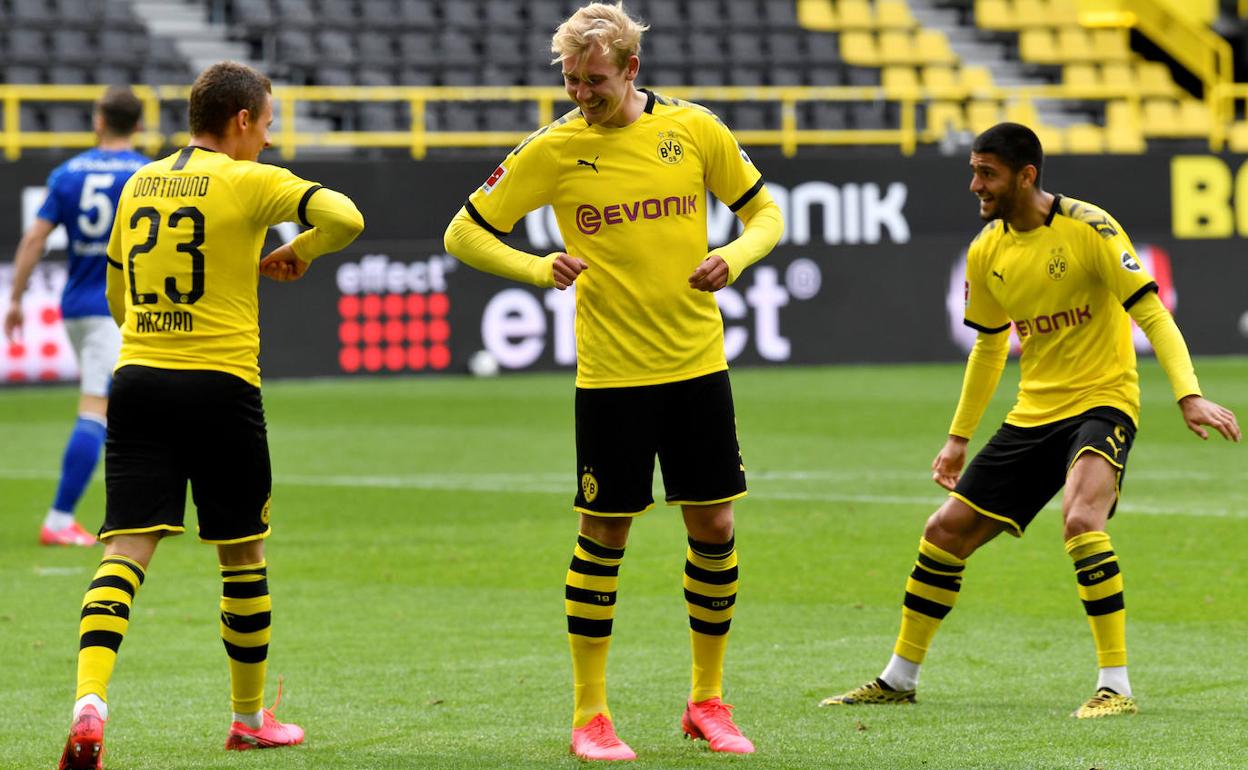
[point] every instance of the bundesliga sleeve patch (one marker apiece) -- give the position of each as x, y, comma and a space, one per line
494, 179
1129, 262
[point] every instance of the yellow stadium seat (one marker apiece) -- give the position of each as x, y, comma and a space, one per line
1062, 12
1194, 118
858, 48
982, 115
1237, 137
1160, 117
1022, 111
1085, 139
897, 47
1084, 77
855, 14
1052, 139
1111, 45
1124, 132
1031, 13
819, 15
941, 82
994, 15
1036, 46
893, 14
975, 79
931, 46
1074, 45
944, 118
1153, 79
1118, 76
900, 82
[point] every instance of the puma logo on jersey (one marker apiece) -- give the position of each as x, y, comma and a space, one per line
110, 607
998, 276
592, 164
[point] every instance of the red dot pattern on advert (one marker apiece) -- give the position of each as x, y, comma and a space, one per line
394, 332
26, 357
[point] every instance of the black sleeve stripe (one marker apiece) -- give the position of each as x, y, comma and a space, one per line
1139, 295
111, 263
985, 329
303, 204
476, 217
183, 156
749, 194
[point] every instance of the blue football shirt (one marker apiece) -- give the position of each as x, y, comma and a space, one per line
82, 196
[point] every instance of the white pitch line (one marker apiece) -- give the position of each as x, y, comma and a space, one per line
763, 485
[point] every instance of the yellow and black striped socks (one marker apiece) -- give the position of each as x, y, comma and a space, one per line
931, 592
710, 595
246, 612
105, 618
1100, 588
589, 600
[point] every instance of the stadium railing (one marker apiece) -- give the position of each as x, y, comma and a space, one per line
288, 139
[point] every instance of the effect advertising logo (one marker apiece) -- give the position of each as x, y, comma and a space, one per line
393, 316
518, 327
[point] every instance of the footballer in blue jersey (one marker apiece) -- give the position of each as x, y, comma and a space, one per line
82, 196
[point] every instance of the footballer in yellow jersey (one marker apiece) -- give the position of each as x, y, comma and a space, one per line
1063, 274
1066, 288
186, 251
633, 201
627, 174
184, 261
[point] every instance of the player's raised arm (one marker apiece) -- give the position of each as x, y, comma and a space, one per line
1171, 351
478, 247
335, 223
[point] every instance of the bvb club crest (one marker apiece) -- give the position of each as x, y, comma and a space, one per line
264, 512
670, 151
1057, 264
589, 486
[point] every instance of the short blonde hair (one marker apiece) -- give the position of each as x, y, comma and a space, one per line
598, 24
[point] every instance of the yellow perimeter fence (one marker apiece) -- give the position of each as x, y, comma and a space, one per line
288, 138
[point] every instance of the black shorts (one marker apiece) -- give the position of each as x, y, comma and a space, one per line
689, 424
167, 427
1020, 469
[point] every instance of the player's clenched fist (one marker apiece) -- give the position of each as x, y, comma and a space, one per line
566, 268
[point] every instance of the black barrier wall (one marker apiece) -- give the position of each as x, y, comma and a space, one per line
869, 269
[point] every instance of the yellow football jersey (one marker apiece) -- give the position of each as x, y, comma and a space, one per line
631, 202
1065, 286
186, 241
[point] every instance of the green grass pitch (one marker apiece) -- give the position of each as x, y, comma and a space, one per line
422, 529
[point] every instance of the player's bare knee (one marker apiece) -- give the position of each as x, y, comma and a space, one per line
1080, 516
709, 523
946, 531
611, 531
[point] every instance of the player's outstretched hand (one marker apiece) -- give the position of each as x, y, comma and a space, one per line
711, 275
566, 268
947, 467
13, 321
282, 264
1199, 411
